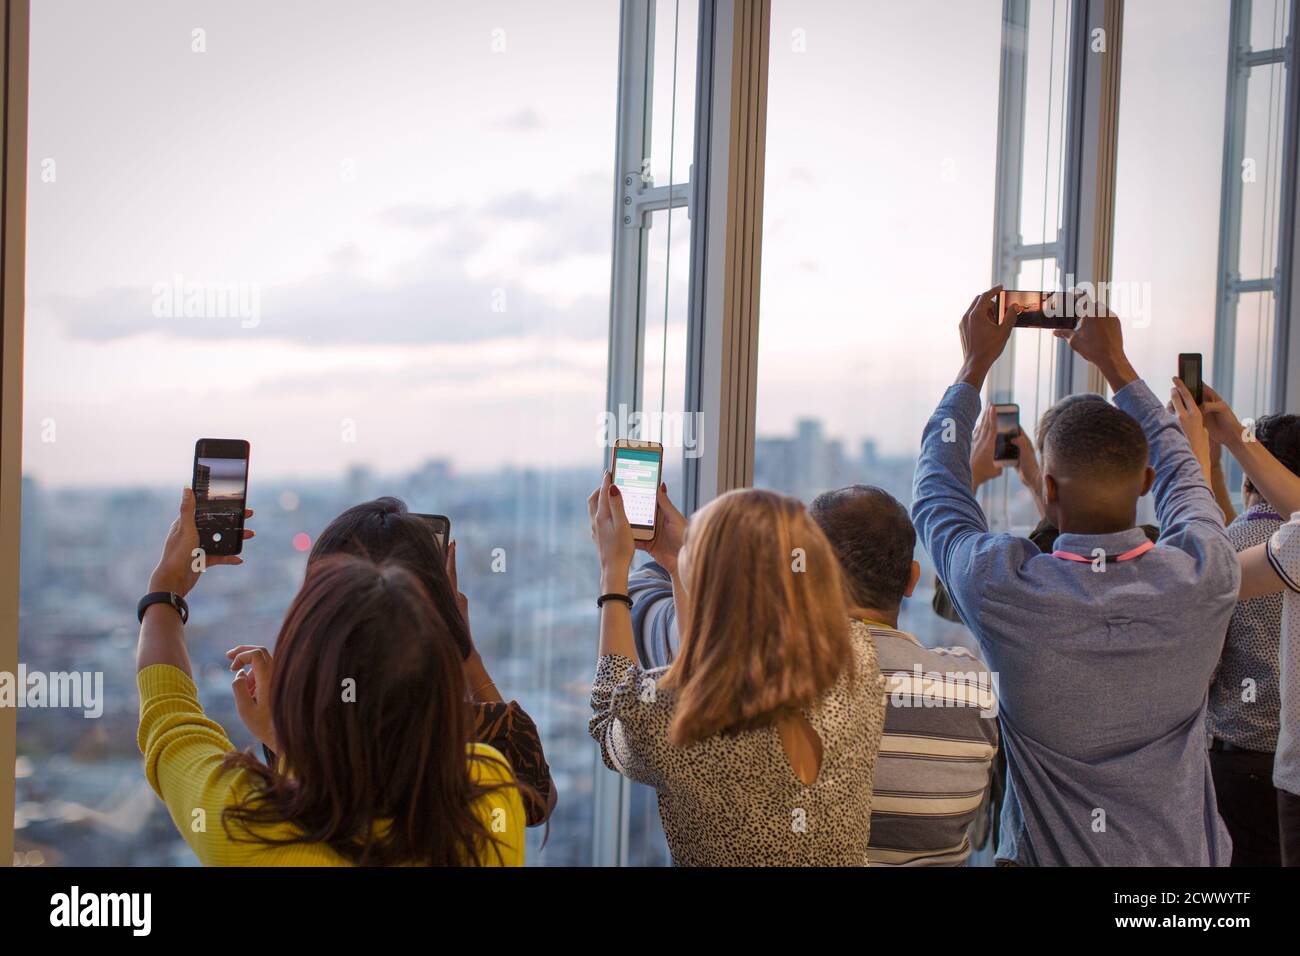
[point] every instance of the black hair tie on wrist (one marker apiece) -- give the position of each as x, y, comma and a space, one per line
600, 601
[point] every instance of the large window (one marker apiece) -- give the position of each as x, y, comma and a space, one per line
1167, 191
879, 228
1199, 192
410, 209
376, 243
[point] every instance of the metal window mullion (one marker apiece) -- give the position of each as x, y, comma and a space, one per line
1091, 169
1286, 301
15, 19
726, 237
1230, 199
1014, 70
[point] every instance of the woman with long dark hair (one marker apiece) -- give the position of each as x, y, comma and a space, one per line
385, 530
365, 710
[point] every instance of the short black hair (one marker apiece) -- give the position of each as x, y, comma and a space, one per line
1280, 434
1096, 439
874, 539
1045, 420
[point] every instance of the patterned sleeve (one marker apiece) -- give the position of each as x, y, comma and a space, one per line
1284, 552
630, 719
509, 729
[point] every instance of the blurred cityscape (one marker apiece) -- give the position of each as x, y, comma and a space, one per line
86, 559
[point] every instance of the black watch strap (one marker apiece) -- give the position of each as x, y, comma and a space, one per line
163, 597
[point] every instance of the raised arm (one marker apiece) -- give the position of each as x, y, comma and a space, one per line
948, 518
1183, 500
1219, 484
1182, 496
1279, 486
162, 633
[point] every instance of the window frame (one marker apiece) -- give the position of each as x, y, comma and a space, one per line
16, 15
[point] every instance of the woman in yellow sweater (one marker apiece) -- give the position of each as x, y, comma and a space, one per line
364, 704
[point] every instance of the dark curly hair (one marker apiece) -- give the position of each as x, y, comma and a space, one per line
873, 538
1280, 434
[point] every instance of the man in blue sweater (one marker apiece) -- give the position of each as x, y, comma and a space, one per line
1104, 649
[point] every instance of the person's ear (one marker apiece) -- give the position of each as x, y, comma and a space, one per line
1051, 491
913, 577
1148, 479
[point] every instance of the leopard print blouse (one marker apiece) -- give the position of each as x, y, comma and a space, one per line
733, 799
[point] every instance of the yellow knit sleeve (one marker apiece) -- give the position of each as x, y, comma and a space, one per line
183, 755
184, 752
501, 809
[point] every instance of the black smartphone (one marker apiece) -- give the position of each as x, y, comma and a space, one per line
1189, 370
220, 493
440, 525
1039, 310
1008, 427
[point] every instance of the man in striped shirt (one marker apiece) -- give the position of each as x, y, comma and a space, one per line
940, 716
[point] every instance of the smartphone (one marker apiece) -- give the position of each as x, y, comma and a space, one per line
637, 467
441, 527
1189, 370
1039, 310
1008, 427
220, 492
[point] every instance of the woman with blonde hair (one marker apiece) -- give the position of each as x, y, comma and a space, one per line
761, 737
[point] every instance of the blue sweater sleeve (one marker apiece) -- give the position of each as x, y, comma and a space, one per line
654, 615
1189, 518
947, 515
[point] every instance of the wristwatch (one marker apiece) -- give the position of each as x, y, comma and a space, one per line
163, 597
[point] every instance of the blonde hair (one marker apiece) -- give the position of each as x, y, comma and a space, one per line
765, 628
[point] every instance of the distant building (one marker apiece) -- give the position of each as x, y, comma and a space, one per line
202, 482
809, 463
359, 483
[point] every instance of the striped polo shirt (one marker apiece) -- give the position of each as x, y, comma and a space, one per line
941, 733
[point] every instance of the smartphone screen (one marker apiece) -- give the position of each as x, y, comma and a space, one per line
1008, 427
220, 492
440, 525
1189, 370
636, 472
1040, 310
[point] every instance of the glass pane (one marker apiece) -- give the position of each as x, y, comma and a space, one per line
1261, 177
1166, 205
1269, 20
419, 227
666, 281
667, 277
1253, 357
1010, 504
672, 104
1046, 99
876, 235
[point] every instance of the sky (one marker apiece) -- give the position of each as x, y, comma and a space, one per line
411, 201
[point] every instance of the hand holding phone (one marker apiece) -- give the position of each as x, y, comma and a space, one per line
1189, 371
637, 467
176, 571
1005, 450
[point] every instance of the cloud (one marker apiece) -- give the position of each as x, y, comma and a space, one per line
483, 273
